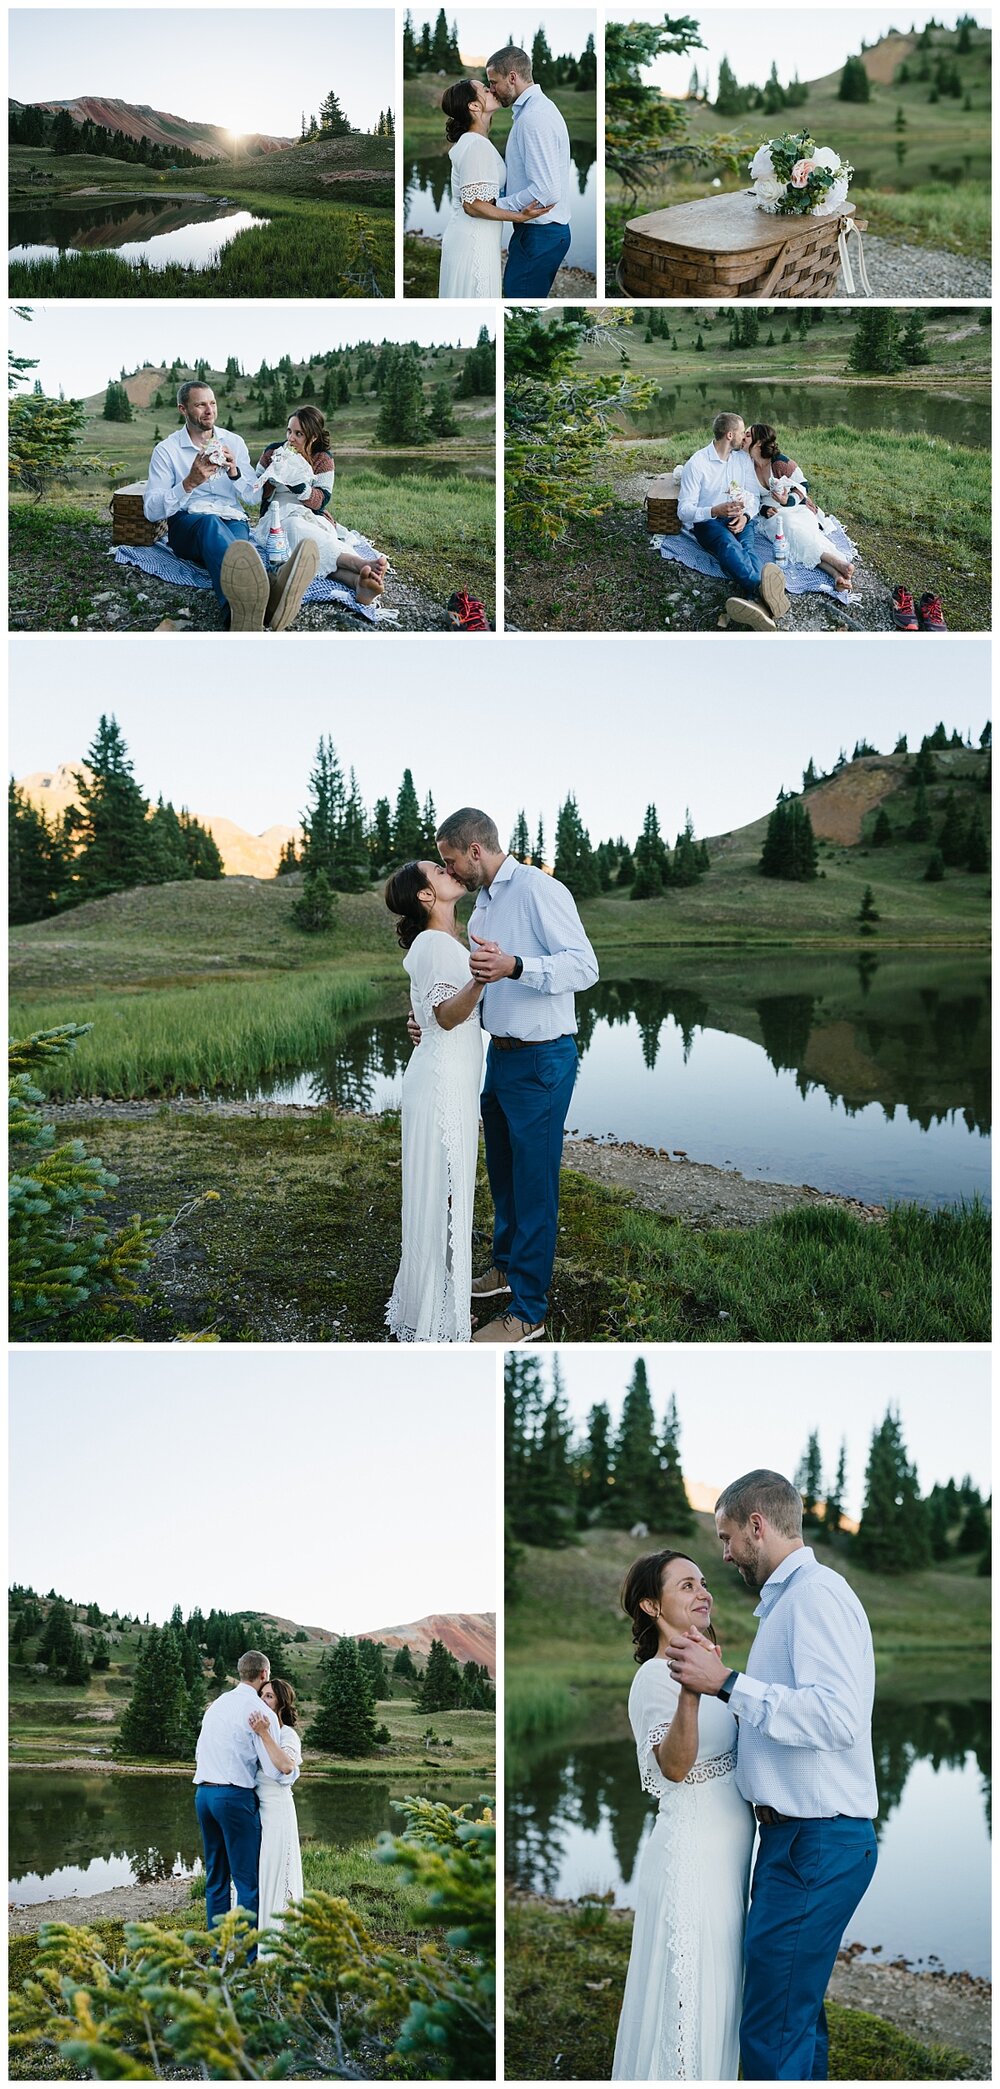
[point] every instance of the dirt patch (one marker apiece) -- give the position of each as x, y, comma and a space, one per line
952, 2009
703, 1196
121, 1904
838, 809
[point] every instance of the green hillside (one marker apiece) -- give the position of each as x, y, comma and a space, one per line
423, 122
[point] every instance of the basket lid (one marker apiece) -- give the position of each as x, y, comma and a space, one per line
727, 224
664, 487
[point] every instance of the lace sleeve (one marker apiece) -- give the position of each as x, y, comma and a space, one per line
479, 192
650, 1774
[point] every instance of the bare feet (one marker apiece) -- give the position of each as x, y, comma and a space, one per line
370, 583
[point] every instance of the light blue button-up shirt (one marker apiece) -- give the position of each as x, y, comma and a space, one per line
538, 158
706, 480
804, 1703
533, 917
169, 466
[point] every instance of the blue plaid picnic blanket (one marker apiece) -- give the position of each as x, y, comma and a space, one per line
799, 580
160, 563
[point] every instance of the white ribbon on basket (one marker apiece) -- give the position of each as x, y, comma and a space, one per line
845, 228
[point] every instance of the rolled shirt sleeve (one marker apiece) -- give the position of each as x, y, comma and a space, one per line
826, 1709
270, 1769
165, 493
693, 503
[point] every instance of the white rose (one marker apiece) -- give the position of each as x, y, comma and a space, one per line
762, 165
769, 192
825, 157
833, 199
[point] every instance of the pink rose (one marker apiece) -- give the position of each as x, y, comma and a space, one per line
801, 172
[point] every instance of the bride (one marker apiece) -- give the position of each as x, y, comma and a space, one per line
431, 1296
680, 2017
280, 1870
784, 493
471, 246
305, 508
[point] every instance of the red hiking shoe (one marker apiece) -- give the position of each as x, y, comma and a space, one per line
903, 613
929, 612
466, 613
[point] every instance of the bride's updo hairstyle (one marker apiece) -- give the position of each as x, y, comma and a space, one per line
458, 103
285, 1708
643, 1584
767, 437
402, 897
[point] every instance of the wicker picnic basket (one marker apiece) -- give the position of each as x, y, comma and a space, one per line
724, 247
661, 506
129, 523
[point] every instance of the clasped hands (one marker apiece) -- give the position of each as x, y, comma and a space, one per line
488, 962
260, 1722
696, 1664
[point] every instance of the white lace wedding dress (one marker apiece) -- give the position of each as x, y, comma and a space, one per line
680, 2019
279, 1878
471, 247
431, 1298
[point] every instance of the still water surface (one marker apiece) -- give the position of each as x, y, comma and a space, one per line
952, 416
578, 1823
154, 231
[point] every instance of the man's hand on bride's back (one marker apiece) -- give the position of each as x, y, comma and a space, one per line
531, 211
260, 1722
413, 1030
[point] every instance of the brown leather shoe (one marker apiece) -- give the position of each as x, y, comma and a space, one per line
773, 592
492, 1284
510, 1331
243, 581
289, 585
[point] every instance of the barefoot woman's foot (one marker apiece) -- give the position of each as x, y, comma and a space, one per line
370, 585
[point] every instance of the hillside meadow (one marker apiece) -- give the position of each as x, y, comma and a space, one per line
924, 181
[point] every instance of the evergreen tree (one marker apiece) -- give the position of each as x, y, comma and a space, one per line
893, 1536
951, 840
809, 1481
729, 99
867, 914
789, 849
635, 1497
539, 1485
55, 1645
934, 873
977, 853
323, 819
407, 825
836, 1493
403, 1665
401, 417
350, 852
919, 828
538, 852
117, 404
315, 910
520, 840
575, 866
594, 1465
77, 1670
168, 855
37, 860
156, 1719
440, 418
875, 349
371, 1655
882, 831
441, 1684
855, 85
650, 859
332, 121
110, 819
913, 340
345, 1720
410, 53
625, 874
974, 1535
673, 1511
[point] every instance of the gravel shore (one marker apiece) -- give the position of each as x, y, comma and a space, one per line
895, 270
120, 1904
951, 2009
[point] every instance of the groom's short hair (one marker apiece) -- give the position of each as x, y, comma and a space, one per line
191, 384
251, 1665
511, 60
462, 828
767, 1494
726, 424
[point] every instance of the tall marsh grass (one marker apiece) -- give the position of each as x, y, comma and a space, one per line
305, 252
535, 1705
186, 1040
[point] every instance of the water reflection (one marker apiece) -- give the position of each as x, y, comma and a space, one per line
953, 416
428, 189
157, 230
577, 1820
870, 1077
82, 1833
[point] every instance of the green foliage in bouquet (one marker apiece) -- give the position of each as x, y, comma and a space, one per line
785, 154
328, 2003
61, 1252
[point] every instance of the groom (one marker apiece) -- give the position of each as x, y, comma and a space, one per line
202, 503
529, 948
538, 167
227, 1758
716, 516
804, 1760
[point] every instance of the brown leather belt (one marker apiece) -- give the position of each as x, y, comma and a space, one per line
525, 1044
769, 1817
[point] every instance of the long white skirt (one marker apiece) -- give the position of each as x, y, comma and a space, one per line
431, 1299
280, 1873
680, 2019
470, 256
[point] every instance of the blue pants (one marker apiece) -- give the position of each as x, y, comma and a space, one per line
807, 1882
533, 256
524, 1103
229, 1819
205, 540
740, 563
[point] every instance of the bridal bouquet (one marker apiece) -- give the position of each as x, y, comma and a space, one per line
794, 178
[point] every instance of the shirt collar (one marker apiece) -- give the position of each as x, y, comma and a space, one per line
527, 95
775, 1582
503, 875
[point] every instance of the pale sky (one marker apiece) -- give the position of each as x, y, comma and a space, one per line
809, 40
112, 337
351, 1490
616, 720
481, 30
245, 68
740, 1408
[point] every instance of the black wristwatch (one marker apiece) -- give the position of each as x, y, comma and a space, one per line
726, 1689
518, 968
